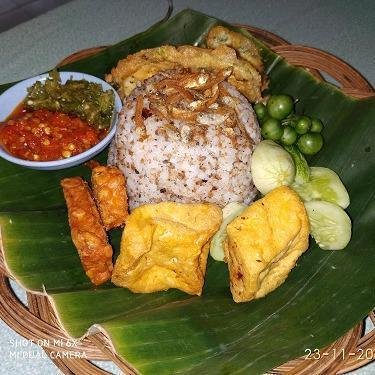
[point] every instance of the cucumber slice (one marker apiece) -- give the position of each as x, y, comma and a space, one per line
324, 185
330, 225
271, 167
230, 212
302, 168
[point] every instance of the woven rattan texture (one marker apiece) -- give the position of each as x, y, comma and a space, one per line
38, 320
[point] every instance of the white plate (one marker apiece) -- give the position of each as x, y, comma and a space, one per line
12, 97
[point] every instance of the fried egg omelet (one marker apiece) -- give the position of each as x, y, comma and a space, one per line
264, 243
226, 49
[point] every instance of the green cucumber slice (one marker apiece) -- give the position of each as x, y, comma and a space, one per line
324, 185
330, 225
230, 212
271, 167
302, 168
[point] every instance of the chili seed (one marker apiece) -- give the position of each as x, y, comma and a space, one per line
66, 154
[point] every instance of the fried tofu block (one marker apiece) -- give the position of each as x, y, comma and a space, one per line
88, 234
108, 185
264, 243
166, 245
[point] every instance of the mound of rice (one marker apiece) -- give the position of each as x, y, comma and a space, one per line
184, 161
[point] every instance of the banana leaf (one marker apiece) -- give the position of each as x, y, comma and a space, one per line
326, 294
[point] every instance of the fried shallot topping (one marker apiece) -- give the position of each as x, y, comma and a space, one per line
198, 98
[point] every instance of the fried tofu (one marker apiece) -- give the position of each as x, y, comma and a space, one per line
108, 185
165, 246
88, 234
264, 243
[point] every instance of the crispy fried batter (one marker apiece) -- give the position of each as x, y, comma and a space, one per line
108, 184
166, 245
92, 163
148, 62
264, 243
245, 47
87, 231
138, 67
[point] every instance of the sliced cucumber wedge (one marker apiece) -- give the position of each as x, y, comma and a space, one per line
324, 185
302, 168
330, 225
271, 166
230, 212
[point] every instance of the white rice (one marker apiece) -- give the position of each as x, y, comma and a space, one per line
181, 165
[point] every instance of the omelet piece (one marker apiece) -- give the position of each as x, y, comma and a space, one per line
166, 245
264, 243
146, 63
245, 47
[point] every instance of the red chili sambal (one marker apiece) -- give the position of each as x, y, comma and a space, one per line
43, 135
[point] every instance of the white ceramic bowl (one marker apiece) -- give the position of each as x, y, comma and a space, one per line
17, 93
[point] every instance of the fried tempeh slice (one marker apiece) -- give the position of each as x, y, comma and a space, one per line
87, 231
108, 184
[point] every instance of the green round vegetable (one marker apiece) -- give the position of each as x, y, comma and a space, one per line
330, 225
264, 119
279, 106
260, 110
272, 129
303, 125
316, 125
310, 143
291, 120
289, 136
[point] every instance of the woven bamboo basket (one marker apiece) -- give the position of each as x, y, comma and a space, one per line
37, 320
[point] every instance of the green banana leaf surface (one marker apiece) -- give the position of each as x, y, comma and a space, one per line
326, 294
